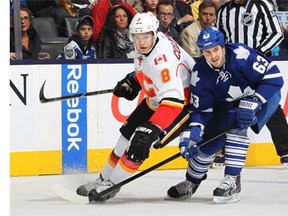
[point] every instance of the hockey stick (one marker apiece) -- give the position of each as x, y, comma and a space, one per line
43, 99
94, 196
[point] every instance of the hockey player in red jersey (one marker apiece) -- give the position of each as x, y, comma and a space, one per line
162, 71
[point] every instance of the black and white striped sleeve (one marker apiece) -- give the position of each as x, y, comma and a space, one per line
274, 31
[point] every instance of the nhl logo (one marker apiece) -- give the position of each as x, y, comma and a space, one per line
247, 19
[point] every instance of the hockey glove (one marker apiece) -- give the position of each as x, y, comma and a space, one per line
247, 110
188, 140
127, 87
144, 137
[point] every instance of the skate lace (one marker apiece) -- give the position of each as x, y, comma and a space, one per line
228, 182
93, 184
220, 156
184, 187
104, 185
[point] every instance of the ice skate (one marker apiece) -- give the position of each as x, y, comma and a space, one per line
182, 190
104, 185
219, 161
284, 161
228, 190
85, 189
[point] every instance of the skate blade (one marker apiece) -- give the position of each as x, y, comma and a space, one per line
167, 197
285, 165
223, 200
105, 198
93, 194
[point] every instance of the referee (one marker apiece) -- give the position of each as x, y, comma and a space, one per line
254, 22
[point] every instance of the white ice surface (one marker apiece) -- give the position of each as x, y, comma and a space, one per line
264, 192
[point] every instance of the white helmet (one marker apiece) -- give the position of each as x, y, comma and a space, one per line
143, 22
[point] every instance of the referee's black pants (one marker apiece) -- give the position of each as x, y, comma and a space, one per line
278, 128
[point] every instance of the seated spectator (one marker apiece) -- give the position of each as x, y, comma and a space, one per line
30, 40
99, 13
80, 45
189, 36
195, 7
149, 5
165, 14
115, 42
50, 8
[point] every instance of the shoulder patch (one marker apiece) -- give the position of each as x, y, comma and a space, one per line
160, 59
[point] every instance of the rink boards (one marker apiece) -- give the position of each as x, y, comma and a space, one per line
77, 135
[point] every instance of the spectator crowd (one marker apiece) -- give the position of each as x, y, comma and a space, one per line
107, 35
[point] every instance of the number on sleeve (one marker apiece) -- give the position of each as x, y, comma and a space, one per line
194, 100
261, 64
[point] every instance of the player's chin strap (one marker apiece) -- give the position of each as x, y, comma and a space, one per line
94, 196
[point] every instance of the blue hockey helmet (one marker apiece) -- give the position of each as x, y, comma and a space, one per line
210, 37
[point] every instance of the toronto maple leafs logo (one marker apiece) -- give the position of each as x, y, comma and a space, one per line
194, 78
223, 76
236, 93
242, 53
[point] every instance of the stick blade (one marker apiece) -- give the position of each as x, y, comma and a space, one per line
41, 94
68, 195
43, 99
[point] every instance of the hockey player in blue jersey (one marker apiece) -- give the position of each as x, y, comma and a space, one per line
231, 84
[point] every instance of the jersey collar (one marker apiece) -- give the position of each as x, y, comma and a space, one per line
233, 5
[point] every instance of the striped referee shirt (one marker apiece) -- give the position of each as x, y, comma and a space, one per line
253, 23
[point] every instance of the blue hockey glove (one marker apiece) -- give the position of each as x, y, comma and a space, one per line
188, 140
247, 110
127, 87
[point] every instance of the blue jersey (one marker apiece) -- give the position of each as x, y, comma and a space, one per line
246, 72
75, 50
